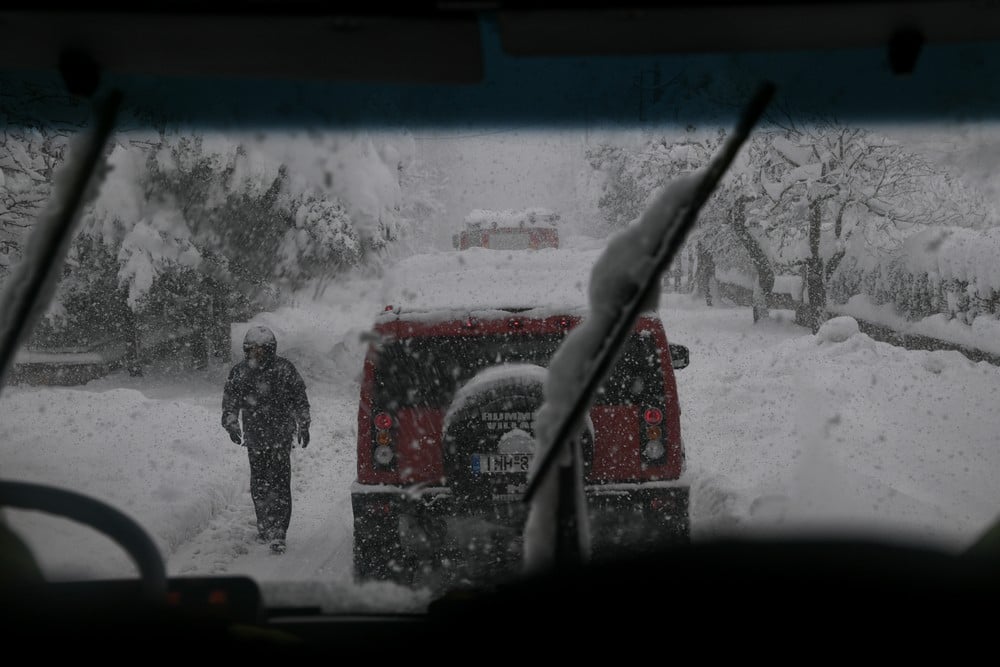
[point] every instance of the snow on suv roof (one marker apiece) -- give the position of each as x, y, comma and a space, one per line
444, 284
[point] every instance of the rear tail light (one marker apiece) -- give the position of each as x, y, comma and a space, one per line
383, 453
652, 447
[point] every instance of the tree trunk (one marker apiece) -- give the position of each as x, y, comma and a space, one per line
765, 274
838, 228
834, 262
706, 271
690, 272
135, 355
815, 278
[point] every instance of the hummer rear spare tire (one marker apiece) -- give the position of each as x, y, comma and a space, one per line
489, 437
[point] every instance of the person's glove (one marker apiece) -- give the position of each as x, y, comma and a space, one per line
235, 436
303, 437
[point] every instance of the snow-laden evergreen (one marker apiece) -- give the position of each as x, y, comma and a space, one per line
193, 228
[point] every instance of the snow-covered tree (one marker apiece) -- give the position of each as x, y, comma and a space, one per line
633, 175
191, 229
797, 197
89, 307
30, 153
824, 183
202, 230
321, 243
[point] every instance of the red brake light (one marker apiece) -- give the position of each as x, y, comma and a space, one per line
388, 308
515, 324
653, 416
383, 421
564, 323
470, 323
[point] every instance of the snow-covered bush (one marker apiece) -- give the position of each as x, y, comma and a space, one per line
89, 306
940, 270
837, 330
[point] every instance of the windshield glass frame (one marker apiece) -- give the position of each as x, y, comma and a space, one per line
875, 95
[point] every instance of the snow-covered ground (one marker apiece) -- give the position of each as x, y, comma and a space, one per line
784, 431
790, 431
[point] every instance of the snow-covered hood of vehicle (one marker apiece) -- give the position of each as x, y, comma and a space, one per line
547, 281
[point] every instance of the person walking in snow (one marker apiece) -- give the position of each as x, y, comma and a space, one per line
270, 395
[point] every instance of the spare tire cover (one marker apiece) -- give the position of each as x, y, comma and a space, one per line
488, 436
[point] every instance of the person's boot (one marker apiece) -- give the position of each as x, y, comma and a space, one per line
278, 545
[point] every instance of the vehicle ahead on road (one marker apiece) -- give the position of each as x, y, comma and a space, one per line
446, 422
529, 229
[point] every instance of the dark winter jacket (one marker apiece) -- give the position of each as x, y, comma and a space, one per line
272, 398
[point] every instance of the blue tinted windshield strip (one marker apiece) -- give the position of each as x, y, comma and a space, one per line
951, 81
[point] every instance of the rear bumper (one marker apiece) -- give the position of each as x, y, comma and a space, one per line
623, 517
638, 519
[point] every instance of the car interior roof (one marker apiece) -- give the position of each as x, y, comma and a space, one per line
177, 56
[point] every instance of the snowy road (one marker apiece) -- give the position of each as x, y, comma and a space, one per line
783, 430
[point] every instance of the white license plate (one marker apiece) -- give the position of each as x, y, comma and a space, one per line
492, 464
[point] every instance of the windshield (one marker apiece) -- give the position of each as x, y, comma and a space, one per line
301, 351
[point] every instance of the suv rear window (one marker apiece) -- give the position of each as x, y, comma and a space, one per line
427, 371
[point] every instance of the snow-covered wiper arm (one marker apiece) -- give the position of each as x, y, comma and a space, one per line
31, 283
623, 283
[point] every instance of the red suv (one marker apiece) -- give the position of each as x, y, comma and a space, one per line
445, 438
507, 238
527, 229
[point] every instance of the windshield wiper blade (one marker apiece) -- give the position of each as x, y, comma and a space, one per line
35, 276
673, 237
